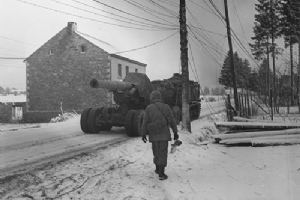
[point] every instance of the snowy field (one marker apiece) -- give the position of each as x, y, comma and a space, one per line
196, 171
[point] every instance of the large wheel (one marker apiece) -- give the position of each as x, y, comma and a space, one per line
84, 119
129, 123
105, 126
92, 119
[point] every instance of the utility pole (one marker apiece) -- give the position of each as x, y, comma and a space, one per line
236, 101
298, 77
273, 56
292, 72
186, 122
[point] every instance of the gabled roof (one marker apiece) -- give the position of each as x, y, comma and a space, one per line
127, 59
61, 34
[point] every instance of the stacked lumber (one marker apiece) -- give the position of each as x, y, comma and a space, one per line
258, 133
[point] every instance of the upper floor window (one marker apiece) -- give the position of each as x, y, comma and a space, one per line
136, 70
51, 52
127, 70
119, 70
82, 48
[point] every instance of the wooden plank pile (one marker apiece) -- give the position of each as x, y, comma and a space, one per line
258, 133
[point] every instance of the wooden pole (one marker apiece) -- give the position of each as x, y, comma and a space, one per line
273, 57
292, 73
231, 57
186, 122
248, 103
271, 104
298, 77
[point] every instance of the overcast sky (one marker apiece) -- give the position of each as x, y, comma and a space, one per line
25, 27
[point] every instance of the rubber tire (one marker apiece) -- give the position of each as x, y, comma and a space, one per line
92, 116
83, 120
129, 120
104, 127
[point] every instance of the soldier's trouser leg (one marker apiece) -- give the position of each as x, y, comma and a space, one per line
160, 153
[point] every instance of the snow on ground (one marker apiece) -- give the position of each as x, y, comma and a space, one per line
126, 172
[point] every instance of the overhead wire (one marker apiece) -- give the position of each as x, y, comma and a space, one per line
148, 10
97, 39
109, 17
164, 8
111, 13
148, 45
235, 37
91, 19
130, 14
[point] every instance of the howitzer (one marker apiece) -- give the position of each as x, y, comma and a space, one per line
131, 97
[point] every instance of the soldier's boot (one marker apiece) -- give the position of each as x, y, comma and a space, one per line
161, 174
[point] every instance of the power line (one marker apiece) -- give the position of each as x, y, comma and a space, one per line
87, 35
239, 19
122, 11
206, 30
235, 37
111, 13
116, 19
149, 45
195, 69
206, 49
197, 4
18, 41
91, 19
164, 8
204, 43
148, 10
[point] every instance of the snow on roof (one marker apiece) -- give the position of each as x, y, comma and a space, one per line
12, 98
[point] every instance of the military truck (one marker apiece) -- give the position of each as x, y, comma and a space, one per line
132, 95
171, 90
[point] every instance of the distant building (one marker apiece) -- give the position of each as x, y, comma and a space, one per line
59, 72
11, 108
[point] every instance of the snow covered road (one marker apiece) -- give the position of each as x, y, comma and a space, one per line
125, 171
25, 149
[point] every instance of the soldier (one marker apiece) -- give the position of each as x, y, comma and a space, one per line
157, 120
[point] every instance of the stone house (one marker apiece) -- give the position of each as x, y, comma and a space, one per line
58, 75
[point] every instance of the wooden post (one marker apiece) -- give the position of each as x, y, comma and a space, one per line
186, 122
231, 57
271, 103
248, 103
273, 57
292, 73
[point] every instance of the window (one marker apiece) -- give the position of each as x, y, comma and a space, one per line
127, 70
119, 70
51, 52
136, 70
82, 48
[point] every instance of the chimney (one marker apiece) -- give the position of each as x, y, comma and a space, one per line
72, 27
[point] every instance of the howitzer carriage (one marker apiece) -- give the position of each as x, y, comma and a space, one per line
132, 95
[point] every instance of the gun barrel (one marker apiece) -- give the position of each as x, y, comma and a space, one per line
110, 85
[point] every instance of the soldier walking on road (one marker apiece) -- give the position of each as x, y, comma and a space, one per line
157, 120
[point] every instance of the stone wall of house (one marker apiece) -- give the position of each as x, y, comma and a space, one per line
58, 74
5, 112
